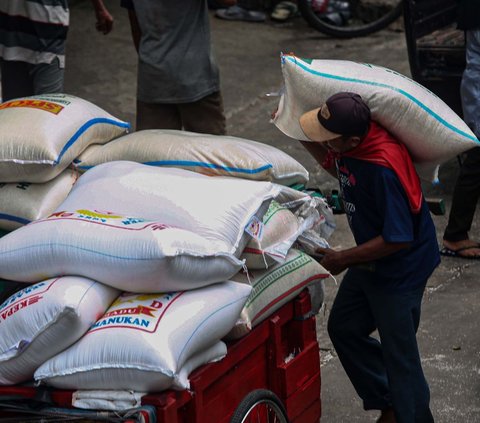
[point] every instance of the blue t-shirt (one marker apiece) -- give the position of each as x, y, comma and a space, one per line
376, 204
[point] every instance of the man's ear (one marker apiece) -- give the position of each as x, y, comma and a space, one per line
355, 141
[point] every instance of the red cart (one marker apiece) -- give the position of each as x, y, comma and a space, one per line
270, 375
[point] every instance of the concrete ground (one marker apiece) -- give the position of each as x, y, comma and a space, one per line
102, 69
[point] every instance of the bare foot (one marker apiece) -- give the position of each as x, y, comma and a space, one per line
465, 248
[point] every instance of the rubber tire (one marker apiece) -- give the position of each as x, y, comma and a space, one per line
259, 396
343, 31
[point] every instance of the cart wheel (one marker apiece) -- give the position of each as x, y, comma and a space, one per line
261, 406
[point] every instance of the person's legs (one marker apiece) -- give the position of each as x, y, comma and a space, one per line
16, 80
205, 115
350, 325
47, 78
157, 116
465, 198
467, 187
398, 316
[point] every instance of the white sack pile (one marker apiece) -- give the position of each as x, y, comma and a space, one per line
143, 341
148, 230
40, 136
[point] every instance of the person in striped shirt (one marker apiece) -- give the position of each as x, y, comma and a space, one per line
32, 44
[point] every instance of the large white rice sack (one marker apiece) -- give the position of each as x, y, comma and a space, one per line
276, 286
165, 229
128, 253
143, 341
22, 202
41, 320
41, 135
219, 209
432, 131
211, 354
122, 400
202, 153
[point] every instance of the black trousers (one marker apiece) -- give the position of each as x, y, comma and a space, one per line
387, 372
465, 198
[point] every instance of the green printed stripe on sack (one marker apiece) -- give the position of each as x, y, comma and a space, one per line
271, 278
273, 209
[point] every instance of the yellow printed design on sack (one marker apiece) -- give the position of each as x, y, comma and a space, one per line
140, 312
47, 106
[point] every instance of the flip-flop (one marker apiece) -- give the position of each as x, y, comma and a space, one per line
447, 252
237, 13
284, 11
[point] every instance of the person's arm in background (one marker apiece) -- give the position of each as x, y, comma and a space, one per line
134, 26
104, 22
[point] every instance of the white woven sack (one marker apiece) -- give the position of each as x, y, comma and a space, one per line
293, 217
274, 287
42, 320
280, 229
218, 209
143, 341
211, 355
128, 253
202, 153
432, 131
121, 400
41, 135
21, 203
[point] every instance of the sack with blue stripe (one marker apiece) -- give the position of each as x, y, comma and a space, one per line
431, 130
41, 135
24, 202
212, 155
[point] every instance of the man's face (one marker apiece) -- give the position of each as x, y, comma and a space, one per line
341, 144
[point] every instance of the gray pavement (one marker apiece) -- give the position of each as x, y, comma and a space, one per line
102, 69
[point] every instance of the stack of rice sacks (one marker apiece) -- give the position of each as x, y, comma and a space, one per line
40, 136
151, 262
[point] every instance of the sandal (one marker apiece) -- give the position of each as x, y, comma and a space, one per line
284, 11
448, 252
237, 13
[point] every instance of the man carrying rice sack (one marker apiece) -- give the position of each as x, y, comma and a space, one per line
388, 270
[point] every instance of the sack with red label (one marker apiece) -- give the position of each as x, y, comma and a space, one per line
41, 320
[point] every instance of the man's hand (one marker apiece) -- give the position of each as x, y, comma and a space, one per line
104, 22
332, 260
367, 253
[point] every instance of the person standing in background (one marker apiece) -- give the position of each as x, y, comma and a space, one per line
456, 242
33, 34
178, 83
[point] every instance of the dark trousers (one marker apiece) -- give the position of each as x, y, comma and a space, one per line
20, 79
385, 373
465, 198
204, 116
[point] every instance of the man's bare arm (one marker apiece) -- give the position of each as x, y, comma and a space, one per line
377, 248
